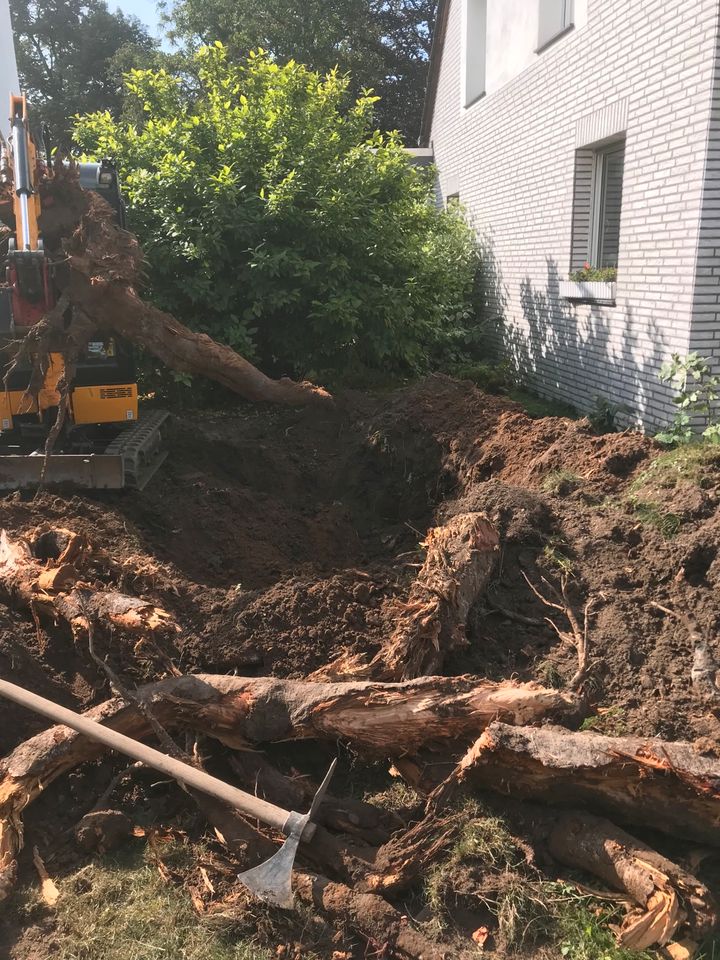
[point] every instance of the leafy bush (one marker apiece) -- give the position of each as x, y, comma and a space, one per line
698, 389
591, 274
277, 219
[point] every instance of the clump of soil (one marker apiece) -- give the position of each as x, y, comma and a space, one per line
279, 537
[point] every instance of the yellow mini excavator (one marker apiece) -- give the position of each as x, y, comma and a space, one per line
104, 443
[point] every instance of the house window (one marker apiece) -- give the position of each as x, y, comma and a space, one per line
556, 16
597, 205
475, 49
452, 201
606, 205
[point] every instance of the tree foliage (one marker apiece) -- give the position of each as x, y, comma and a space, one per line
277, 219
66, 52
383, 44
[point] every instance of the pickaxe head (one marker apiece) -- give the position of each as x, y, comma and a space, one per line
272, 881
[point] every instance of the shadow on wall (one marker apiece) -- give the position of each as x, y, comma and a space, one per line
570, 354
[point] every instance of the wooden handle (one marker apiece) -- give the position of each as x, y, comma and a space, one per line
192, 777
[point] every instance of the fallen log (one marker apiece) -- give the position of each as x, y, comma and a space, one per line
378, 719
58, 592
653, 783
668, 895
460, 559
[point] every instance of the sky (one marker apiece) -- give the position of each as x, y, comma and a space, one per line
144, 10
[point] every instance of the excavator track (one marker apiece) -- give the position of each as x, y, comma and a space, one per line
140, 449
128, 461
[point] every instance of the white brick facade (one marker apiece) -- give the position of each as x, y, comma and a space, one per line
649, 69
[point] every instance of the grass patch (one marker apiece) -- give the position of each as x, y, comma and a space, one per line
484, 869
561, 482
554, 556
697, 463
608, 720
651, 513
119, 908
539, 407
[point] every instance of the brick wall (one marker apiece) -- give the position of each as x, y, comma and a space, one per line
646, 68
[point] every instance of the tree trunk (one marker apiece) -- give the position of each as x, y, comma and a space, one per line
53, 588
378, 719
667, 894
665, 786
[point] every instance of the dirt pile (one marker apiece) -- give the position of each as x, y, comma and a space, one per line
278, 538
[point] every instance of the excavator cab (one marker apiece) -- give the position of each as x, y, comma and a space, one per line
105, 444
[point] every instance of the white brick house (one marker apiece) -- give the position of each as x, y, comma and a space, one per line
587, 131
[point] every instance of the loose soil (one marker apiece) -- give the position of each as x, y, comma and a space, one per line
278, 538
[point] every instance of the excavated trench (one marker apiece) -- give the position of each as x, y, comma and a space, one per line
278, 538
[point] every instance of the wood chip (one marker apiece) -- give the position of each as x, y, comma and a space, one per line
48, 891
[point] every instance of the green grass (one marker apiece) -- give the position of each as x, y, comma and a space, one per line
554, 556
652, 514
538, 407
609, 721
697, 463
550, 917
560, 482
119, 908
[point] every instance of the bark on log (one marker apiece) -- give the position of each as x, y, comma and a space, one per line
105, 267
460, 559
666, 786
57, 592
379, 719
668, 895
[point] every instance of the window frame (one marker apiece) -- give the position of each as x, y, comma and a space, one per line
474, 17
568, 24
597, 197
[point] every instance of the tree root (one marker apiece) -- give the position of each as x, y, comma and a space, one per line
460, 559
378, 719
49, 585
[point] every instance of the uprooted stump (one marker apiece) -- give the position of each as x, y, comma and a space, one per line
54, 588
378, 719
104, 270
654, 783
461, 556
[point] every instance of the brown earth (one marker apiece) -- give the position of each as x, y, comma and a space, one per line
279, 537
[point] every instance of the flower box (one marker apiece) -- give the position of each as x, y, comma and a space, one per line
588, 291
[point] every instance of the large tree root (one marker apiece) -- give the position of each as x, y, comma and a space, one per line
379, 719
45, 579
667, 894
105, 268
460, 559
666, 786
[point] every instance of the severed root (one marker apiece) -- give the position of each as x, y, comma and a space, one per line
461, 556
667, 894
49, 584
663, 785
378, 719
577, 636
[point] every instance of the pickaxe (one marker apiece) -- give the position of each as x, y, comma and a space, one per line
271, 881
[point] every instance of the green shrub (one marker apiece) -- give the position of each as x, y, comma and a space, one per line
698, 390
274, 217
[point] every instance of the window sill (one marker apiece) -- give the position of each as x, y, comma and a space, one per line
474, 100
588, 291
558, 36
